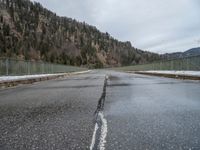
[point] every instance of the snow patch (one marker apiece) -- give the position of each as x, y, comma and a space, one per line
187, 73
22, 77
14, 78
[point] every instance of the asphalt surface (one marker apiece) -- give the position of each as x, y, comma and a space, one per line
152, 113
130, 112
50, 115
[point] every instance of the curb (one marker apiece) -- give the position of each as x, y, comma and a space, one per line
12, 83
175, 76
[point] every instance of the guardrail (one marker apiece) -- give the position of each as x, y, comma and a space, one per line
9, 66
186, 63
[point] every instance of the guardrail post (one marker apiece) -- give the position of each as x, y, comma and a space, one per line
7, 67
171, 65
160, 65
43, 68
51, 68
28, 65
187, 61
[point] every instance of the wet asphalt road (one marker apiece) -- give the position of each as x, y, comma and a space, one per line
152, 113
141, 112
51, 115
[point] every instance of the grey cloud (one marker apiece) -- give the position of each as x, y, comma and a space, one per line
156, 25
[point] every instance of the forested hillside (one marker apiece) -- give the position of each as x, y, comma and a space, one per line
29, 31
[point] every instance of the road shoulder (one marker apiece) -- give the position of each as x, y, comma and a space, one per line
168, 75
32, 79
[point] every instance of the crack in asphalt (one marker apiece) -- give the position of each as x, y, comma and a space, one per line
101, 101
100, 129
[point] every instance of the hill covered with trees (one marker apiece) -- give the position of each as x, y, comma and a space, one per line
189, 53
30, 31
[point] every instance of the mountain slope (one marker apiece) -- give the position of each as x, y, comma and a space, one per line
192, 52
188, 53
29, 31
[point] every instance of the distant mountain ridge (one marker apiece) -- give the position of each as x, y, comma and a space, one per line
188, 53
30, 31
192, 52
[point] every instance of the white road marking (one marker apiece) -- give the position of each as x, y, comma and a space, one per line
107, 77
94, 136
104, 130
103, 134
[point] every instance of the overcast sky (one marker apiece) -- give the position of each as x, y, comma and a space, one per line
155, 25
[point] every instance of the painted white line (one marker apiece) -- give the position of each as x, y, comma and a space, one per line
94, 136
103, 134
104, 130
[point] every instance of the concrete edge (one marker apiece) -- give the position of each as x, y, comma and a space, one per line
175, 76
6, 84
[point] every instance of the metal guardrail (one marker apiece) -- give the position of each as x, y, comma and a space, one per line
9, 66
186, 63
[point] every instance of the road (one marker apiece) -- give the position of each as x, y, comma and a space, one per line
56, 114
102, 110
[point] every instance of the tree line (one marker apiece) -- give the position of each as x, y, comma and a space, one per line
30, 31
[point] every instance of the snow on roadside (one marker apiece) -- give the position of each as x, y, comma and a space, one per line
187, 73
14, 78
